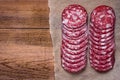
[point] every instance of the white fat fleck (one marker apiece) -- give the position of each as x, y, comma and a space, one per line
101, 23
109, 59
65, 21
102, 43
78, 13
103, 35
73, 34
102, 39
109, 64
110, 16
75, 42
95, 64
108, 25
94, 12
96, 61
103, 52
93, 20
68, 49
68, 15
106, 30
74, 17
108, 34
67, 12
91, 24
78, 20
81, 16
108, 38
74, 8
101, 16
104, 47
75, 47
110, 12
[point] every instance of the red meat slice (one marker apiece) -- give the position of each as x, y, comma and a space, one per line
103, 17
103, 57
74, 47
75, 70
74, 66
75, 42
74, 16
74, 30
107, 51
74, 52
71, 56
101, 48
73, 61
104, 40
100, 31
101, 35
73, 34
102, 68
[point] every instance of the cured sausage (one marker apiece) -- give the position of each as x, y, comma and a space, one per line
74, 38
101, 38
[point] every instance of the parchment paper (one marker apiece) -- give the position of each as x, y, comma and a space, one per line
56, 8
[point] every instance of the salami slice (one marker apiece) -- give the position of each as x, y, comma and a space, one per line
74, 30
75, 47
76, 70
74, 66
99, 35
75, 42
104, 40
100, 62
73, 61
71, 56
102, 65
103, 17
74, 16
103, 51
74, 34
105, 47
102, 68
101, 56
100, 43
74, 52
99, 31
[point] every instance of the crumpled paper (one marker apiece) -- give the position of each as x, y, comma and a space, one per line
56, 8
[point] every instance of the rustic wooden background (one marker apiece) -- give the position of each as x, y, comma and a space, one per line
25, 42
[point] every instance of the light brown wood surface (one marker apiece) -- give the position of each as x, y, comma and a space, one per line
24, 14
25, 41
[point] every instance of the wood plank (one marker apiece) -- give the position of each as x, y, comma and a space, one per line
26, 54
24, 14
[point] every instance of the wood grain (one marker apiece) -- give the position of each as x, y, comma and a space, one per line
25, 41
24, 14
25, 54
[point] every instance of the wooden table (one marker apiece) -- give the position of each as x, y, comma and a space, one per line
25, 42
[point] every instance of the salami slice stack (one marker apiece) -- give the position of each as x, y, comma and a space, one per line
74, 38
101, 38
